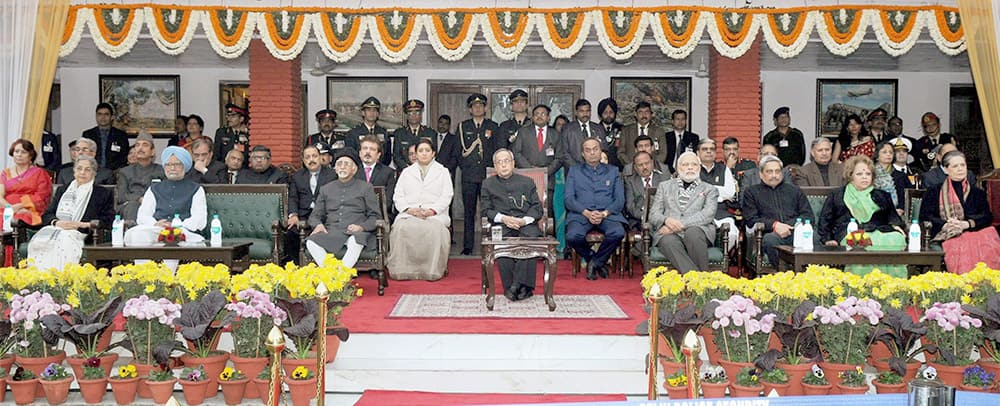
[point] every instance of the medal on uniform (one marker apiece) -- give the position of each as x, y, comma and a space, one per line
338, 145
656, 145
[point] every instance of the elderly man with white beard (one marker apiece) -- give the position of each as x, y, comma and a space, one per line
683, 215
345, 213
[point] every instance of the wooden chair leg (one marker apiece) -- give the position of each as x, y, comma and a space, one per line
575, 260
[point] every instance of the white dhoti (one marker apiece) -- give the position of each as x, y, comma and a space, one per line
419, 249
146, 236
54, 247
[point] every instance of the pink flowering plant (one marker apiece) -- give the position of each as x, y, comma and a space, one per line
26, 311
741, 328
953, 331
149, 324
256, 314
845, 329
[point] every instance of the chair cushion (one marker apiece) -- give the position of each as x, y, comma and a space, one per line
714, 255
245, 215
260, 250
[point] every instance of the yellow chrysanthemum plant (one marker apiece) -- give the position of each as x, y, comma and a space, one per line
296, 295
152, 279
195, 280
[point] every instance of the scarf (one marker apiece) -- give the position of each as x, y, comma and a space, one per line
73, 202
883, 181
950, 207
860, 203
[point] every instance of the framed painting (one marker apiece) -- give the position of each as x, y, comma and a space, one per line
344, 94
836, 99
663, 94
238, 93
143, 101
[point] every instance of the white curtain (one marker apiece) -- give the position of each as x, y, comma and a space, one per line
17, 33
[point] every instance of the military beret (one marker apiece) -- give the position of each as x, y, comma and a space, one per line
518, 94
413, 104
371, 102
234, 109
780, 111
475, 98
326, 113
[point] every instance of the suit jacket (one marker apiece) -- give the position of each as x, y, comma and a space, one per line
51, 150
599, 188
626, 148
527, 154
104, 176
635, 196
808, 175
381, 176
613, 137
402, 138
573, 136
272, 175
688, 142
336, 142
214, 173
700, 210
226, 139
300, 196
116, 150
449, 153
835, 216
101, 206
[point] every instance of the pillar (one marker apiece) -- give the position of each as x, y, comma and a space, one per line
275, 104
734, 100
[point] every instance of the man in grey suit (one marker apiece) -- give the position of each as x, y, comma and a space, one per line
682, 214
539, 146
823, 170
644, 126
575, 132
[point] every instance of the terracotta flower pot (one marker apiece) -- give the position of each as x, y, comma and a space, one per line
714, 390
677, 392
250, 367
878, 351
213, 365
780, 388
950, 375
832, 372
990, 365
23, 391
3, 389
332, 346
194, 391
142, 371
882, 365
714, 354
733, 368
6, 361
124, 390
970, 388
881, 388
76, 363
103, 342
852, 390
302, 391
37, 365
289, 365
161, 391
740, 391
56, 392
232, 391
816, 390
262, 385
93, 390
795, 374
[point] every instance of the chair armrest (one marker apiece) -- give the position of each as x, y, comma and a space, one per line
485, 222
925, 235
724, 237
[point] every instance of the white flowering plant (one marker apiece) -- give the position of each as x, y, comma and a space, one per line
845, 329
256, 314
26, 311
741, 328
953, 331
149, 324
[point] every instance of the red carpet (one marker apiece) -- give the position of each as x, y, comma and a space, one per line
368, 313
391, 397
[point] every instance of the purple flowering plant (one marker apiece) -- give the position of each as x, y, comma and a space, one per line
194, 374
978, 377
54, 372
953, 331
26, 311
148, 326
256, 314
741, 328
845, 329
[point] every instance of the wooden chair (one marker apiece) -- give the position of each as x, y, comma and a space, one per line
522, 248
911, 213
758, 262
718, 257
251, 213
372, 258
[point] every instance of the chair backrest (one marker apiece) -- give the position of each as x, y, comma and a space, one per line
541, 178
650, 193
247, 211
817, 198
911, 206
382, 204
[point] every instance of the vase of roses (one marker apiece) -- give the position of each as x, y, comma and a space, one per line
255, 315
35, 351
171, 236
858, 240
741, 330
148, 325
844, 334
954, 334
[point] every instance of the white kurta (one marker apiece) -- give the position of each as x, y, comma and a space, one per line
146, 230
419, 247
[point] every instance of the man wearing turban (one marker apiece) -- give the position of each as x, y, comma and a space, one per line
173, 196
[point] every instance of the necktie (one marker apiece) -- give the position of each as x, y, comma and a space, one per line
368, 174
312, 182
642, 130
586, 130
649, 183
541, 139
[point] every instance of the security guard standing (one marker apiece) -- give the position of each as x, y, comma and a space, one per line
234, 136
519, 105
327, 120
370, 110
410, 134
479, 137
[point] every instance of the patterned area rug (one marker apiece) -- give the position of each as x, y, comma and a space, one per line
474, 306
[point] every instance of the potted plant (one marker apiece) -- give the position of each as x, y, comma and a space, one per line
741, 329
990, 348
22, 385
8, 339
901, 335
301, 328
775, 379
234, 384
975, 378
86, 289
747, 384
844, 330
954, 335
673, 326
35, 350
889, 382
94, 381
714, 382
799, 347
124, 384
676, 385
3, 383
55, 382
193, 382
815, 383
255, 315
201, 322
853, 382
148, 324
302, 386
161, 384
85, 331
263, 384
701, 288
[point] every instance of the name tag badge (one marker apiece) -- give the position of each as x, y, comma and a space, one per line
783, 143
550, 152
155, 180
47, 148
338, 145
115, 147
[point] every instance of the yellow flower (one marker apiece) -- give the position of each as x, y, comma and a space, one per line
300, 373
966, 299
359, 292
127, 371
678, 381
226, 374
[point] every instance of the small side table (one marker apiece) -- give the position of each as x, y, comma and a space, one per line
520, 248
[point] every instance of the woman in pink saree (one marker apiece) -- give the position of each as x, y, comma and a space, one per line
26, 187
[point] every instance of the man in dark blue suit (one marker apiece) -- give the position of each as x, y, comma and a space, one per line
112, 143
595, 198
302, 191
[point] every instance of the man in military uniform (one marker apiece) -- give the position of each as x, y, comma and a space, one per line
327, 120
408, 135
607, 110
478, 138
234, 136
519, 105
370, 110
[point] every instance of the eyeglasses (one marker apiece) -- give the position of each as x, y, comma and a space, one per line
504, 161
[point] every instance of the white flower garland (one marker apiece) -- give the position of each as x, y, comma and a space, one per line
947, 47
890, 47
300, 42
744, 46
463, 49
324, 42
131, 36
79, 21
686, 49
614, 51
383, 51
505, 53
851, 45
167, 47
234, 51
801, 41
550, 46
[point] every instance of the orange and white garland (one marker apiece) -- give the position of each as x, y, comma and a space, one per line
395, 32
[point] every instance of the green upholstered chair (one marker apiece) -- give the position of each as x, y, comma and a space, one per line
250, 213
651, 256
759, 264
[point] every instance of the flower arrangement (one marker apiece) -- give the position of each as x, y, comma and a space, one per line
858, 239
148, 323
748, 376
702, 287
92, 369
171, 235
774, 375
26, 311
854, 377
82, 286
300, 373
160, 375
255, 313
677, 379
302, 281
196, 374
816, 377
263, 278
978, 377
889, 378
230, 374
953, 332
151, 279
670, 285
742, 329
844, 329
55, 372
125, 372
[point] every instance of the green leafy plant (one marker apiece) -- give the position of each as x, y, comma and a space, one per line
194, 374
83, 329
23, 374
797, 334
265, 374
889, 378
714, 375
748, 376
92, 369
989, 313
674, 325
774, 375
853, 378
54, 372
677, 379
3, 373
201, 321
978, 377
817, 377
302, 324
160, 375
900, 334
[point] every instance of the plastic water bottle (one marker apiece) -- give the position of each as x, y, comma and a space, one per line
176, 222
852, 226
913, 245
216, 239
797, 234
807, 236
118, 232
8, 217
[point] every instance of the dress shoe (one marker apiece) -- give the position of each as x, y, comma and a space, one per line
466, 252
525, 293
603, 271
591, 271
510, 295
